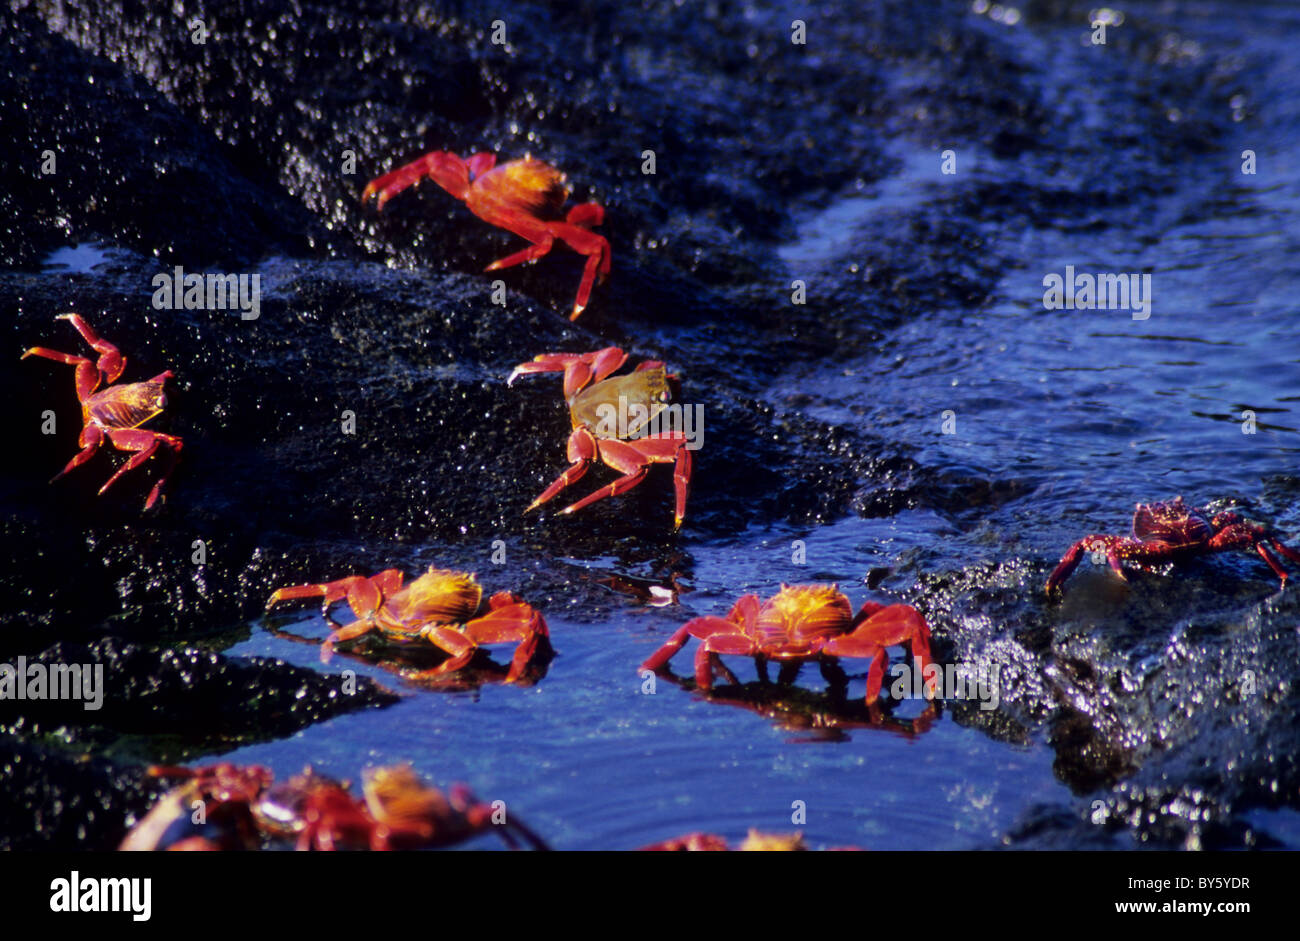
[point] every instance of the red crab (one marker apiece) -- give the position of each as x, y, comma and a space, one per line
609, 417
318, 811
226, 793
409, 814
757, 840
241, 807
802, 623
443, 607
523, 196
1169, 531
114, 412
712, 843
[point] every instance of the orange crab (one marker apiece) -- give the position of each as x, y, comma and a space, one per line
594, 401
441, 607
756, 841
115, 412
225, 792
802, 623
409, 814
242, 810
525, 197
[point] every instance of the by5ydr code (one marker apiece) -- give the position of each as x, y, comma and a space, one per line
1184, 882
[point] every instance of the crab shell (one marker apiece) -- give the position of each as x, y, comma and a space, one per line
1171, 523
802, 613
803, 623
640, 396
438, 597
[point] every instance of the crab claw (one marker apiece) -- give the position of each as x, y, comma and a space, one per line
579, 369
447, 170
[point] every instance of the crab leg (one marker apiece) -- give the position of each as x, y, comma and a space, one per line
364, 595
1272, 561
595, 247
524, 654
833, 673
660, 657
579, 368
592, 367
520, 622
905, 623
620, 486
745, 610
701, 627
789, 672
681, 484
715, 666
862, 648
533, 252
743, 616
480, 163
895, 624
576, 235
111, 361
460, 647
86, 376
707, 661
478, 816
868, 609
876, 676
1285, 550
581, 452
633, 460
586, 215
588, 281
435, 165
352, 631
1244, 535
145, 443
543, 234
1113, 546
175, 453
1065, 568
525, 832
90, 440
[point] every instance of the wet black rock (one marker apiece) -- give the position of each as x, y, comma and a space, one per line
51, 799
1172, 734
246, 153
170, 704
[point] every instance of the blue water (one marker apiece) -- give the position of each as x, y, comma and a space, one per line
1061, 421
1089, 411
592, 762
